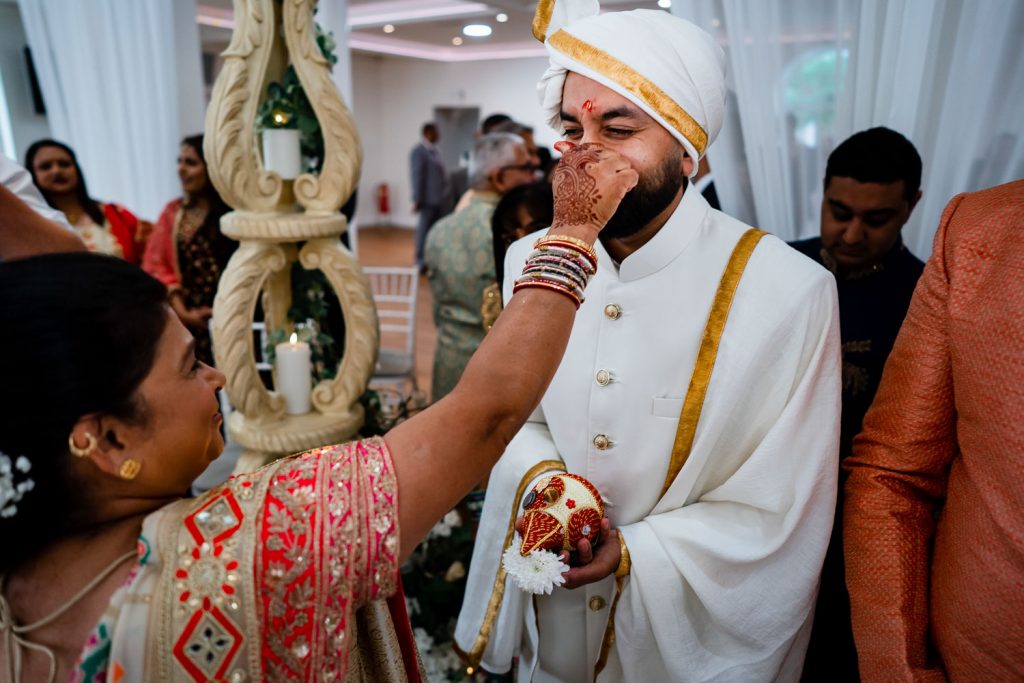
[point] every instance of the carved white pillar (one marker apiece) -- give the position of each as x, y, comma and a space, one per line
279, 222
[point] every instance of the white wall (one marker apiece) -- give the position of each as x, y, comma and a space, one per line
26, 125
393, 97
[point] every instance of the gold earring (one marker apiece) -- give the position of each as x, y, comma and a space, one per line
90, 445
130, 469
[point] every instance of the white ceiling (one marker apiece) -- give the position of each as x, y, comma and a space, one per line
423, 28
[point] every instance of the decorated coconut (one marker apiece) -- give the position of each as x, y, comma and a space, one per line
559, 512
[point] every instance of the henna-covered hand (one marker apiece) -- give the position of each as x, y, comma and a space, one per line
589, 182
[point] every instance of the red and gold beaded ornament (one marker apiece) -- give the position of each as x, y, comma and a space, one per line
559, 512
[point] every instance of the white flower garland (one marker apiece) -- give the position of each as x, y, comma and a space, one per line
11, 493
537, 573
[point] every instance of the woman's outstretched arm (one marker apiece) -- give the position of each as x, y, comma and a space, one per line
442, 452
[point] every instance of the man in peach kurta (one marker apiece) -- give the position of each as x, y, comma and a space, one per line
934, 528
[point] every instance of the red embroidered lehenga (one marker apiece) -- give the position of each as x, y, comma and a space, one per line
286, 574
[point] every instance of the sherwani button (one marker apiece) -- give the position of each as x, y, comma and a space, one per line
596, 603
602, 442
612, 311
604, 377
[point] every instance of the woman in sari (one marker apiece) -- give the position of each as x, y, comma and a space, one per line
105, 227
280, 574
187, 251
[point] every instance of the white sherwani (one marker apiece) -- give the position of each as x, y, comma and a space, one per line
725, 565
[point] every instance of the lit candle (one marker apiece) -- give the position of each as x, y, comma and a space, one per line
294, 380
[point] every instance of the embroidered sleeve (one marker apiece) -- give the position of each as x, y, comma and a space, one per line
329, 545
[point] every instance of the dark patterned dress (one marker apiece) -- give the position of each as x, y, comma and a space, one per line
203, 255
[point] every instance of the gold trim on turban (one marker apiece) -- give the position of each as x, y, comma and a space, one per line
633, 81
542, 19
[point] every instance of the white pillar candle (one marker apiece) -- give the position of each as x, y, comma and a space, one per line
294, 379
281, 152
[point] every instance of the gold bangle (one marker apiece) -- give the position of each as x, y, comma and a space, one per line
624, 564
587, 248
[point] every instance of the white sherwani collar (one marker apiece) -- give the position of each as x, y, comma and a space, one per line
675, 236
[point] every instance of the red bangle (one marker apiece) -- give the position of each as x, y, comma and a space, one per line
545, 284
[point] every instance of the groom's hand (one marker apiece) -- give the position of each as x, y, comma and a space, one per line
595, 563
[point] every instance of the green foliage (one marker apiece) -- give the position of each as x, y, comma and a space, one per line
385, 408
435, 575
312, 303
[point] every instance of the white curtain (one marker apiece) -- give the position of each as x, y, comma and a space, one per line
122, 84
804, 75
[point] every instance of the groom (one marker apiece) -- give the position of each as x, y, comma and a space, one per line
699, 393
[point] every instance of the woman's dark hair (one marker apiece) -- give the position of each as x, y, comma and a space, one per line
78, 334
218, 207
539, 202
88, 204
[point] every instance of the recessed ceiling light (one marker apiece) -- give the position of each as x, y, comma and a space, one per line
389, 28
456, 41
476, 30
664, 4
501, 18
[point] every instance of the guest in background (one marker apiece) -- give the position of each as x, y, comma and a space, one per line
429, 185
522, 130
490, 123
187, 251
506, 125
935, 495
526, 133
522, 211
872, 183
460, 255
106, 228
458, 180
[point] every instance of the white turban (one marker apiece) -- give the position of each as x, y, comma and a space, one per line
667, 66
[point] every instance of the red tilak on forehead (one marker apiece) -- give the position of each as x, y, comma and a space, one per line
588, 105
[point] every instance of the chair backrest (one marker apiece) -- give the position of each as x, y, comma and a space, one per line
353, 237
259, 330
395, 291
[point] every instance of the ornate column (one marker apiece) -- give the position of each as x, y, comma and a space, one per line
278, 222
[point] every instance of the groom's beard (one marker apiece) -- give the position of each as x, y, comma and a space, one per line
651, 196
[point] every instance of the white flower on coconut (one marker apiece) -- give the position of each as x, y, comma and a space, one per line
537, 573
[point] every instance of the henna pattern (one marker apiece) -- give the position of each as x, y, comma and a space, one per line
576, 192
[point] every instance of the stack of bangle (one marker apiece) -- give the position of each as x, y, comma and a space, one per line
560, 263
